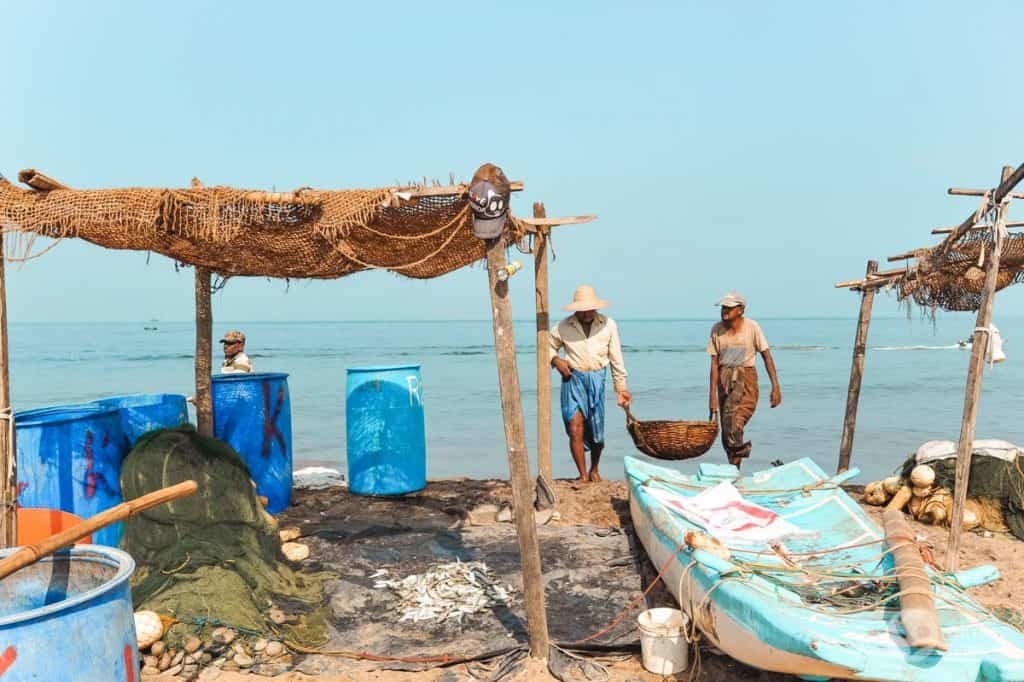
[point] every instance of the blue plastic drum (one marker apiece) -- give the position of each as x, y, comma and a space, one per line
145, 412
386, 437
68, 618
252, 413
69, 458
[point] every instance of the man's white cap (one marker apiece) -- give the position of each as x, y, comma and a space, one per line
731, 300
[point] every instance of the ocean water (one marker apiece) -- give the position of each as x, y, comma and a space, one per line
913, 383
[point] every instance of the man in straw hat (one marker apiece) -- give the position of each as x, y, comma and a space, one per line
591, 343
734, 345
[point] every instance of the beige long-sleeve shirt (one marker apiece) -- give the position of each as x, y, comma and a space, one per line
588, 353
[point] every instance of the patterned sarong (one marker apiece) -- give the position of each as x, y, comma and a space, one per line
583, 392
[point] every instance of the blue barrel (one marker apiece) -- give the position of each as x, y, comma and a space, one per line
69, 458
252, 413
145, 412
68, 617
386, 439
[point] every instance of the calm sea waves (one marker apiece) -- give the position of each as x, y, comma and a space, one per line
913, 384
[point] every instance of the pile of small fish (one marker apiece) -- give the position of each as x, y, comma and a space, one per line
446, 591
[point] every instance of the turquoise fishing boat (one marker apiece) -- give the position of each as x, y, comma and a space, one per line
820, 600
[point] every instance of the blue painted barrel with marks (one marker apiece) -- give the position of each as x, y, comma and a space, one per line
69, 458
386, 441
145, 412
252, 413
68, 618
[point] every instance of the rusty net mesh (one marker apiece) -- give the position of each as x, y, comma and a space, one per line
302, 234
951, 275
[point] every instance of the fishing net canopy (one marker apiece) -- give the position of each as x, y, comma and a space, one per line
951, 275
213, 558
306, 233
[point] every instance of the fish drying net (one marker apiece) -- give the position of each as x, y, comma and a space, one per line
991, 477
213, 558
306, 233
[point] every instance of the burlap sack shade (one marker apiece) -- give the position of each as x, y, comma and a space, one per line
302, 234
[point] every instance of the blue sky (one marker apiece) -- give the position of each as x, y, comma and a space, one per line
767, 147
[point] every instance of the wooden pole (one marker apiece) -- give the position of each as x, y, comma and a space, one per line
204, 353
856, 370
26, 556
972, 394
540, 276
518, 458
8, 457
917, 603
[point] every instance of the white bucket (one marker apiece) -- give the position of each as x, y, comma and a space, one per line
663, 642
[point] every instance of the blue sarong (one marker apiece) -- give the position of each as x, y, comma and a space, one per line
583, 392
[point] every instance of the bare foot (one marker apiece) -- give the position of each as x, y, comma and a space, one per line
581, 479
594, 476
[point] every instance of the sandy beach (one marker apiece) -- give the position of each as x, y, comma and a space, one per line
445, 507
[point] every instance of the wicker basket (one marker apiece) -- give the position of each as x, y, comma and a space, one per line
672, 439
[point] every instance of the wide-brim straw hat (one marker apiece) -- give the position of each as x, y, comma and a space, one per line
585, 298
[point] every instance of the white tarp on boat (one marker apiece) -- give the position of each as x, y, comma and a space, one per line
726, 515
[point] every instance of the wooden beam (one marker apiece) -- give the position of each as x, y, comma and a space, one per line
541, 221
976, 228
8, 452
960, 192
518, 458
540, 279
856, 371
1001, 191
204, 353
972, 393
448, 190
880, 278
39, 181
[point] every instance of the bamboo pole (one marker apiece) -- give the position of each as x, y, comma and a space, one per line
204, 353
972, 393
8, 456
26, 556
963, 192
856, 371
518, 458
540, 277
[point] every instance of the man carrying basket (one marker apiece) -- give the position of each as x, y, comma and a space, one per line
734, 345
591, 343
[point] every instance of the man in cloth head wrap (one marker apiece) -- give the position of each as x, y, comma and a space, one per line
735, 343
591, 343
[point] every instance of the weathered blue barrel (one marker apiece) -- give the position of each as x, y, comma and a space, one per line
252, 413
145, 412
386, 438
68, 617
69, 458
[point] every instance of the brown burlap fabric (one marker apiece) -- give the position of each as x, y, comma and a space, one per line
302, 234
949, 276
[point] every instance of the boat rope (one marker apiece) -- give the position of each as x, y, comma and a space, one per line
824, 484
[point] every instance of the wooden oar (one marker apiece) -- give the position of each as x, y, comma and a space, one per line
26, 556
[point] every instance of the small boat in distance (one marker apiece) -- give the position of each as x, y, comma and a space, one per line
965, 343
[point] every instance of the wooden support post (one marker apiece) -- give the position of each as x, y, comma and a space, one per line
972, 394
8, 458
204, 353
518, 458
540, 277
867, 298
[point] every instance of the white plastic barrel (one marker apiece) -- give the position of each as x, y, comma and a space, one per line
663, 644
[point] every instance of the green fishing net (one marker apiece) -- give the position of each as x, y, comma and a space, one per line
213, 558
990, 477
